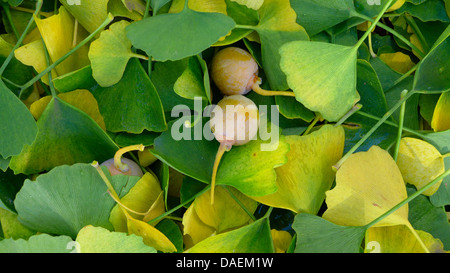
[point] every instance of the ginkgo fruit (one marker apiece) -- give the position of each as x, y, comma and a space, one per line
121, 165
235, 72
234, 122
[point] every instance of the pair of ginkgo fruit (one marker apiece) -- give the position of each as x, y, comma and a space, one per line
235, 73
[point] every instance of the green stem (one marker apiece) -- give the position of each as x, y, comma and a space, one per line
387, 122
406, 75
407, 200
354, 109
246, 27
400, 125
393, 32
417, 31
187, 201
22, 37
373, 129
11, 82
60, 60
50, 79
268, 212
313, 123
9, 17
374, 24
147, 9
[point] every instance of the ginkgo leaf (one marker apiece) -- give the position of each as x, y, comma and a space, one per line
42, 243
18, 126
90, 14
322, 76
277, 26
253, 4
180, 35
304, 179
100, 240
367, 185
203, 219
281, 240
398, 61
140, 198
400, 239
81, 99
57, 32
109, 54
252, 238
420, 162
441, 115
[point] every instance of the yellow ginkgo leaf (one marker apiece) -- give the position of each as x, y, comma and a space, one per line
80, 98
398, 61
33, 54
441, 115
400, 239
57, 32
144, 197
194, 230
202, 219
200, 5
281, 240
150, 235
225, 213
368, 184
420, 162
416, 41
397, 5
308, 174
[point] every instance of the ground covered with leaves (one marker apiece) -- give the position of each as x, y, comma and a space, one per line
359, 162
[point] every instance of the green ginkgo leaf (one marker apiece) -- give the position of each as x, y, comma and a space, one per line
174, 36
432, 74
276, 27
66, 135
132, 105
319, 15
68, 198
42, 243
18, 125
322, 76
317, 235
100, 240
109, 54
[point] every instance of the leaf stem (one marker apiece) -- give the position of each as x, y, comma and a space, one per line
60, 60
374, 24
22, 37
354, 109
400, 125
373, 129
408, 199
9, 17
392, 31
387, 122
147, 9
417, 31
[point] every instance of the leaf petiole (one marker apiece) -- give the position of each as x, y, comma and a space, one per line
374, 24
22, 37
400, 125
373, 129
60, 60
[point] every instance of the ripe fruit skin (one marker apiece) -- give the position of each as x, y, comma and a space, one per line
235, 120
133, 168
234, 71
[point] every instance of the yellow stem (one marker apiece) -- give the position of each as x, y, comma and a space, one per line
263, 92
222, 149
125, 207
117, 157
75, 34
45, 14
